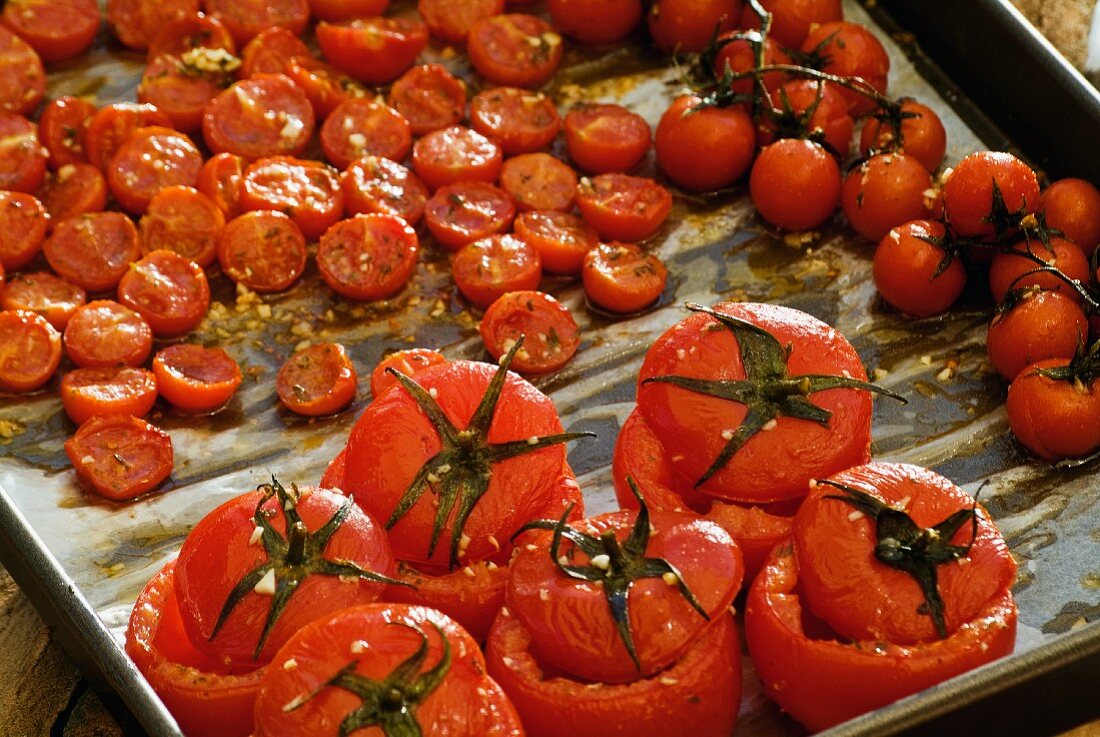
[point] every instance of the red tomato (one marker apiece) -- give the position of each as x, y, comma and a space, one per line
776, 454
1008, 268
410, 362
702, 147
324, 85
1033, 327
170, 291
333, 10
1073, 207
114, 391
435, 668
264, 250
194, 31
22, 76
687, 26
112, 125
93, 250
308, 191
484, 270
539, 182
220, 180
311, 540
596, 21
196, 379
450, 20
56, 29
136, 22
120, 457
30, 350
471, 596
74, 190
373, 50
374, 185
921, 135
519, 121
63, 129
203, 698
1052, 408
624, 208
368, 257
551, 334
456, 154
622, 278
736, 55
514, 49
851, 50
246, 19
429, 97
905, 270
465, 212
361, 127
41, 292
270, 51
182, 87
692, 697
795, 184
265, 115
23, 222
807, 107
152, 159
104, 333
561, 238
793, 19
317, 381
884, 192
602, 138
22, 158
968, 200
184, 221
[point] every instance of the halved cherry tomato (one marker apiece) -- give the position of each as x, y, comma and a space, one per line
42, 292
485, 269
905, 270
205, 699
318, 380
184, 221
451, 20
884, 192
362, 127
429, 97
308, 191
23, 222
456, 154
1073, 207
246, 19
56, 29
93, 250
104, 333
150, 160
373, 50
332, 10
324, 85
624, 208
514, 49
264, 115
22, 158
687, 26
464, 212
1052, 410
736, 55
368, 257
118, 390
263, 250
622, 278
551, 334
561, 238
74, 189
169, 290
822, 102
63, 128
850, 50
194, 378
182, 86
374, 185
1008, 268
596, 21
120, 457
605, 138
921, 135
795, 184
30, 350
22, 76
220, 180
793, 19
409, 362
194, 31
702, 147
1036, 325
136, 22
968, 199
517, 119
539, 182
270, 52
112, 125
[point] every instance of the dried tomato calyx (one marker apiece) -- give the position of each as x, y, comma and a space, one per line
616, 566
459, 474
902, 544
291, 559
390, 703
1082, 371
768, 390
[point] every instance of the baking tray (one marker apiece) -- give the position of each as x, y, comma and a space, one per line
83, 561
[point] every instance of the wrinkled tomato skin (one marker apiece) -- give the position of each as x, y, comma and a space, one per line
705, 149
822, 681
1010, 271
851, 50
471, 596
1054, 419
775, 465
884, 192
205, 701
698, 696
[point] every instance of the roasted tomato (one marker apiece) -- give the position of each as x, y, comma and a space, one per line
596, 21
1073, 207
56, 29
386, 669
120, 457
318, 380
196, 379
704, 147
914, 129
43, 293
795, 184
623, 208
373, 50
848, 49
1032, 325
246, 19
870, 601
368, 257
884, 192
621, 278
687, 26
606, 138
1017, 268
429, 97
118, 390
264, 115
1053, 406
410, 362
30, 350
514, 49
23, 223
988, 193
913, 271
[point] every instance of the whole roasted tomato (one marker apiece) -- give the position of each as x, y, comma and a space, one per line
1053, 405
